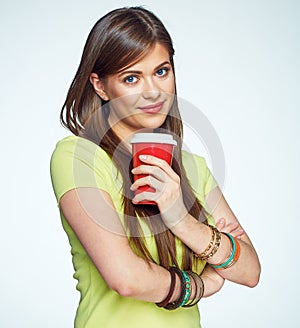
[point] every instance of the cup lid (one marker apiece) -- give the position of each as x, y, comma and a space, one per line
154, 138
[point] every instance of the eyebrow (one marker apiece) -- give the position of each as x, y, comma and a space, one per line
140, 72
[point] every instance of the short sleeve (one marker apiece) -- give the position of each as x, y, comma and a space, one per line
199, 175
201, 180
210, 182
77, 162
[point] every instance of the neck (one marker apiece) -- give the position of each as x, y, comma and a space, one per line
125, 133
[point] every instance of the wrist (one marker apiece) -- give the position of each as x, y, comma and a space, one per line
186, 289
174, 215
194, 234
223, 251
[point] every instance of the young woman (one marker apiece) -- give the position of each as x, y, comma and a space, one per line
139, 265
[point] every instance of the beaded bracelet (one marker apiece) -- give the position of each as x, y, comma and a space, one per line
213, 233
197, 297
230, 260
213, 245
191, 301
188, 287
216, 246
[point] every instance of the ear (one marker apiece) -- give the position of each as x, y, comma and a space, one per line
98, 85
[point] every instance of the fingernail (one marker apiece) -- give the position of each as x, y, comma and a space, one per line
222, 221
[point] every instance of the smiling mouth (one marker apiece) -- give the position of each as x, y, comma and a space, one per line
153, 108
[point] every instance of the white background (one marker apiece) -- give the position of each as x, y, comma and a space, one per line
236, 60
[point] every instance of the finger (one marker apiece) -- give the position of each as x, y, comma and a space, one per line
160, 163
147, 181
155, 171
237, 233
234, 229
146, 195
229, 227
220, 224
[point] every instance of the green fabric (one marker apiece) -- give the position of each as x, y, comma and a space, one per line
77, 162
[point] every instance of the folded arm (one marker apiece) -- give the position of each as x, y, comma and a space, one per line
196, 235
91, 215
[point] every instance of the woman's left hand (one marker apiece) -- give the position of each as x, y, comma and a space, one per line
234, 228
168, 196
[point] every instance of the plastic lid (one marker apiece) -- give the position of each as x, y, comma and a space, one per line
153, 138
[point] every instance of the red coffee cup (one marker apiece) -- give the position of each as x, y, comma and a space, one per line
160, 145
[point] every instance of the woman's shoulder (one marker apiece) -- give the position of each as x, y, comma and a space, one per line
190, 159
198, 173
78, 147
72, 141
77, 162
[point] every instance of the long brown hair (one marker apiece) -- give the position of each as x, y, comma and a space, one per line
119, 39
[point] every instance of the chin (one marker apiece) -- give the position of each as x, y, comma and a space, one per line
154, 123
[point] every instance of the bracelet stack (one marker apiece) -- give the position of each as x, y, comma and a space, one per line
185, 300
189, 280
233, 257
198, 291
213, 245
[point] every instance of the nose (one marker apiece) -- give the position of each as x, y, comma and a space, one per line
150, 89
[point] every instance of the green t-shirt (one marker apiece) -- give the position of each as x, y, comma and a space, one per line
77, 162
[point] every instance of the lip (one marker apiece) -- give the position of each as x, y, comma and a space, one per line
153, 108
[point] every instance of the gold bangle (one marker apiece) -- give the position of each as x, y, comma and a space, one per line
203, 255
217, 245
232, 258
213, 246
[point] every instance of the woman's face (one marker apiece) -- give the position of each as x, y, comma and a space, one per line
140, 96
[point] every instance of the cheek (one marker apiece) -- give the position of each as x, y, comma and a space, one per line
170, 91
124, 102
130, 100
128, 94
170, 86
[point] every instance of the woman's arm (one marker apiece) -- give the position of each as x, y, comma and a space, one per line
246, 270
193, 233
91, 215
213, 282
